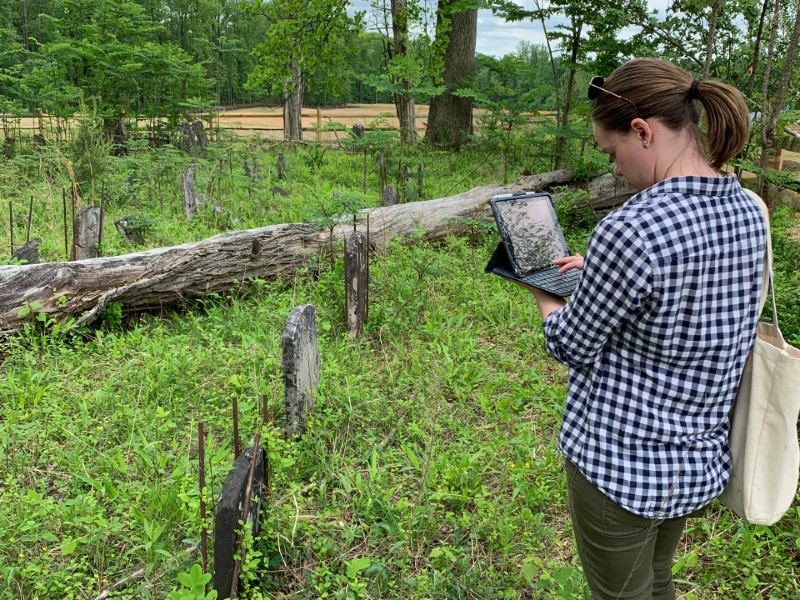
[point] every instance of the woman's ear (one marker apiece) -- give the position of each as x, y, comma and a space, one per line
642, 130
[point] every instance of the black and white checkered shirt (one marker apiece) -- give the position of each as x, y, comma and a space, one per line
656, 337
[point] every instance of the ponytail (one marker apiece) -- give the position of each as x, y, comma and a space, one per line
648, 87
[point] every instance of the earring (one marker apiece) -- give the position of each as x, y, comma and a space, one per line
645, 144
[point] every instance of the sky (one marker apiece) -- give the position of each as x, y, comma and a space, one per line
497, 38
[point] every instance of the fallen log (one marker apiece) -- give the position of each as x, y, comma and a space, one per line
166, 276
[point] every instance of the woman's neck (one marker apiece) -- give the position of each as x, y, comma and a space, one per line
684, 160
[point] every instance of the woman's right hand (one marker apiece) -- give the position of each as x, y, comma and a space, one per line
569, 262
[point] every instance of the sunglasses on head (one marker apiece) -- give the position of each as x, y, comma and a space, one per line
596, 86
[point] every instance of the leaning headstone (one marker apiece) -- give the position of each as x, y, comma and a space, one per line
382, 171
228, 513
29, 252
189, 198
300, 367
281, 166
132, 229
250, 171
408, 186
356, 283
187, 138
87, 232
389, 196
279, 191
200, 134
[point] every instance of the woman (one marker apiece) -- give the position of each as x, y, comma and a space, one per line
658, 331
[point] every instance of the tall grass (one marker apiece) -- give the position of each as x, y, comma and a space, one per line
428, 470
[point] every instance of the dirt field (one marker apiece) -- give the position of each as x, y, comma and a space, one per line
268, 122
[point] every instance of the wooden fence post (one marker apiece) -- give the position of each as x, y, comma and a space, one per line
356, 291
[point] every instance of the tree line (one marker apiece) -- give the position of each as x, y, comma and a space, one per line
163, 59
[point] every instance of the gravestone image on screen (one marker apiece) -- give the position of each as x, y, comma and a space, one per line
534, 238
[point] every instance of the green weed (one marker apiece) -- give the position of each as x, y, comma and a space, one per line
429, 467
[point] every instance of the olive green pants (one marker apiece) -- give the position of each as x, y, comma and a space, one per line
623, 555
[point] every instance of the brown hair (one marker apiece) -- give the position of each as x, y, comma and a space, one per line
654, 88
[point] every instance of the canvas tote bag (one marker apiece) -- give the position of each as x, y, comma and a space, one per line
763, 438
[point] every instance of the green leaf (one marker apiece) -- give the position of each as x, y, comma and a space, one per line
68, 546
355, 566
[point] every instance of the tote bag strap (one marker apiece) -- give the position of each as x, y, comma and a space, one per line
766, 282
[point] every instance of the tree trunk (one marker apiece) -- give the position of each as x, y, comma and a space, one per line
166, 276
293, 107
768, 135
553, 70
404, 101
450, 117
757, 49
712, 28
761, 186
561, 141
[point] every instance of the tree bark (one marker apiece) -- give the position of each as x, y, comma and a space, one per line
450, 117
769, 123
293, 106
404, 101
561, 141
167, 276
757, 49
712, 29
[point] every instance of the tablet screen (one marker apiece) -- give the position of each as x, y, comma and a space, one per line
531, 232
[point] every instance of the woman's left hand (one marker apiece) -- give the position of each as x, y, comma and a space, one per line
569, 262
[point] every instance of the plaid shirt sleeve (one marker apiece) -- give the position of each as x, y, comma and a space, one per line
615, 284
656, 337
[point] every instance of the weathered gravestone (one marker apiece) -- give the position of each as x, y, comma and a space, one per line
189, 197
300, 367
29, 252
278, 191
408, 185
133, 229
389, 196
356, 283
87, 232
250, 171
281, 166
193, 135
382, 175
187, 138
200, 135
228, 513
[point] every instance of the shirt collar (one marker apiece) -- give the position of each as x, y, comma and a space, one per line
690, 186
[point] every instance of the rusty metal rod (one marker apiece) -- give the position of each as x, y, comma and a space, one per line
237, 567
201, 457
237, 444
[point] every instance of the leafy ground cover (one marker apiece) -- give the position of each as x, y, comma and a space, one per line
428, 470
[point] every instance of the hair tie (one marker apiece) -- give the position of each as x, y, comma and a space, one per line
694, 91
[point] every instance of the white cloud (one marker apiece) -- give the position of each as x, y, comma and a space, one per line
496, 37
